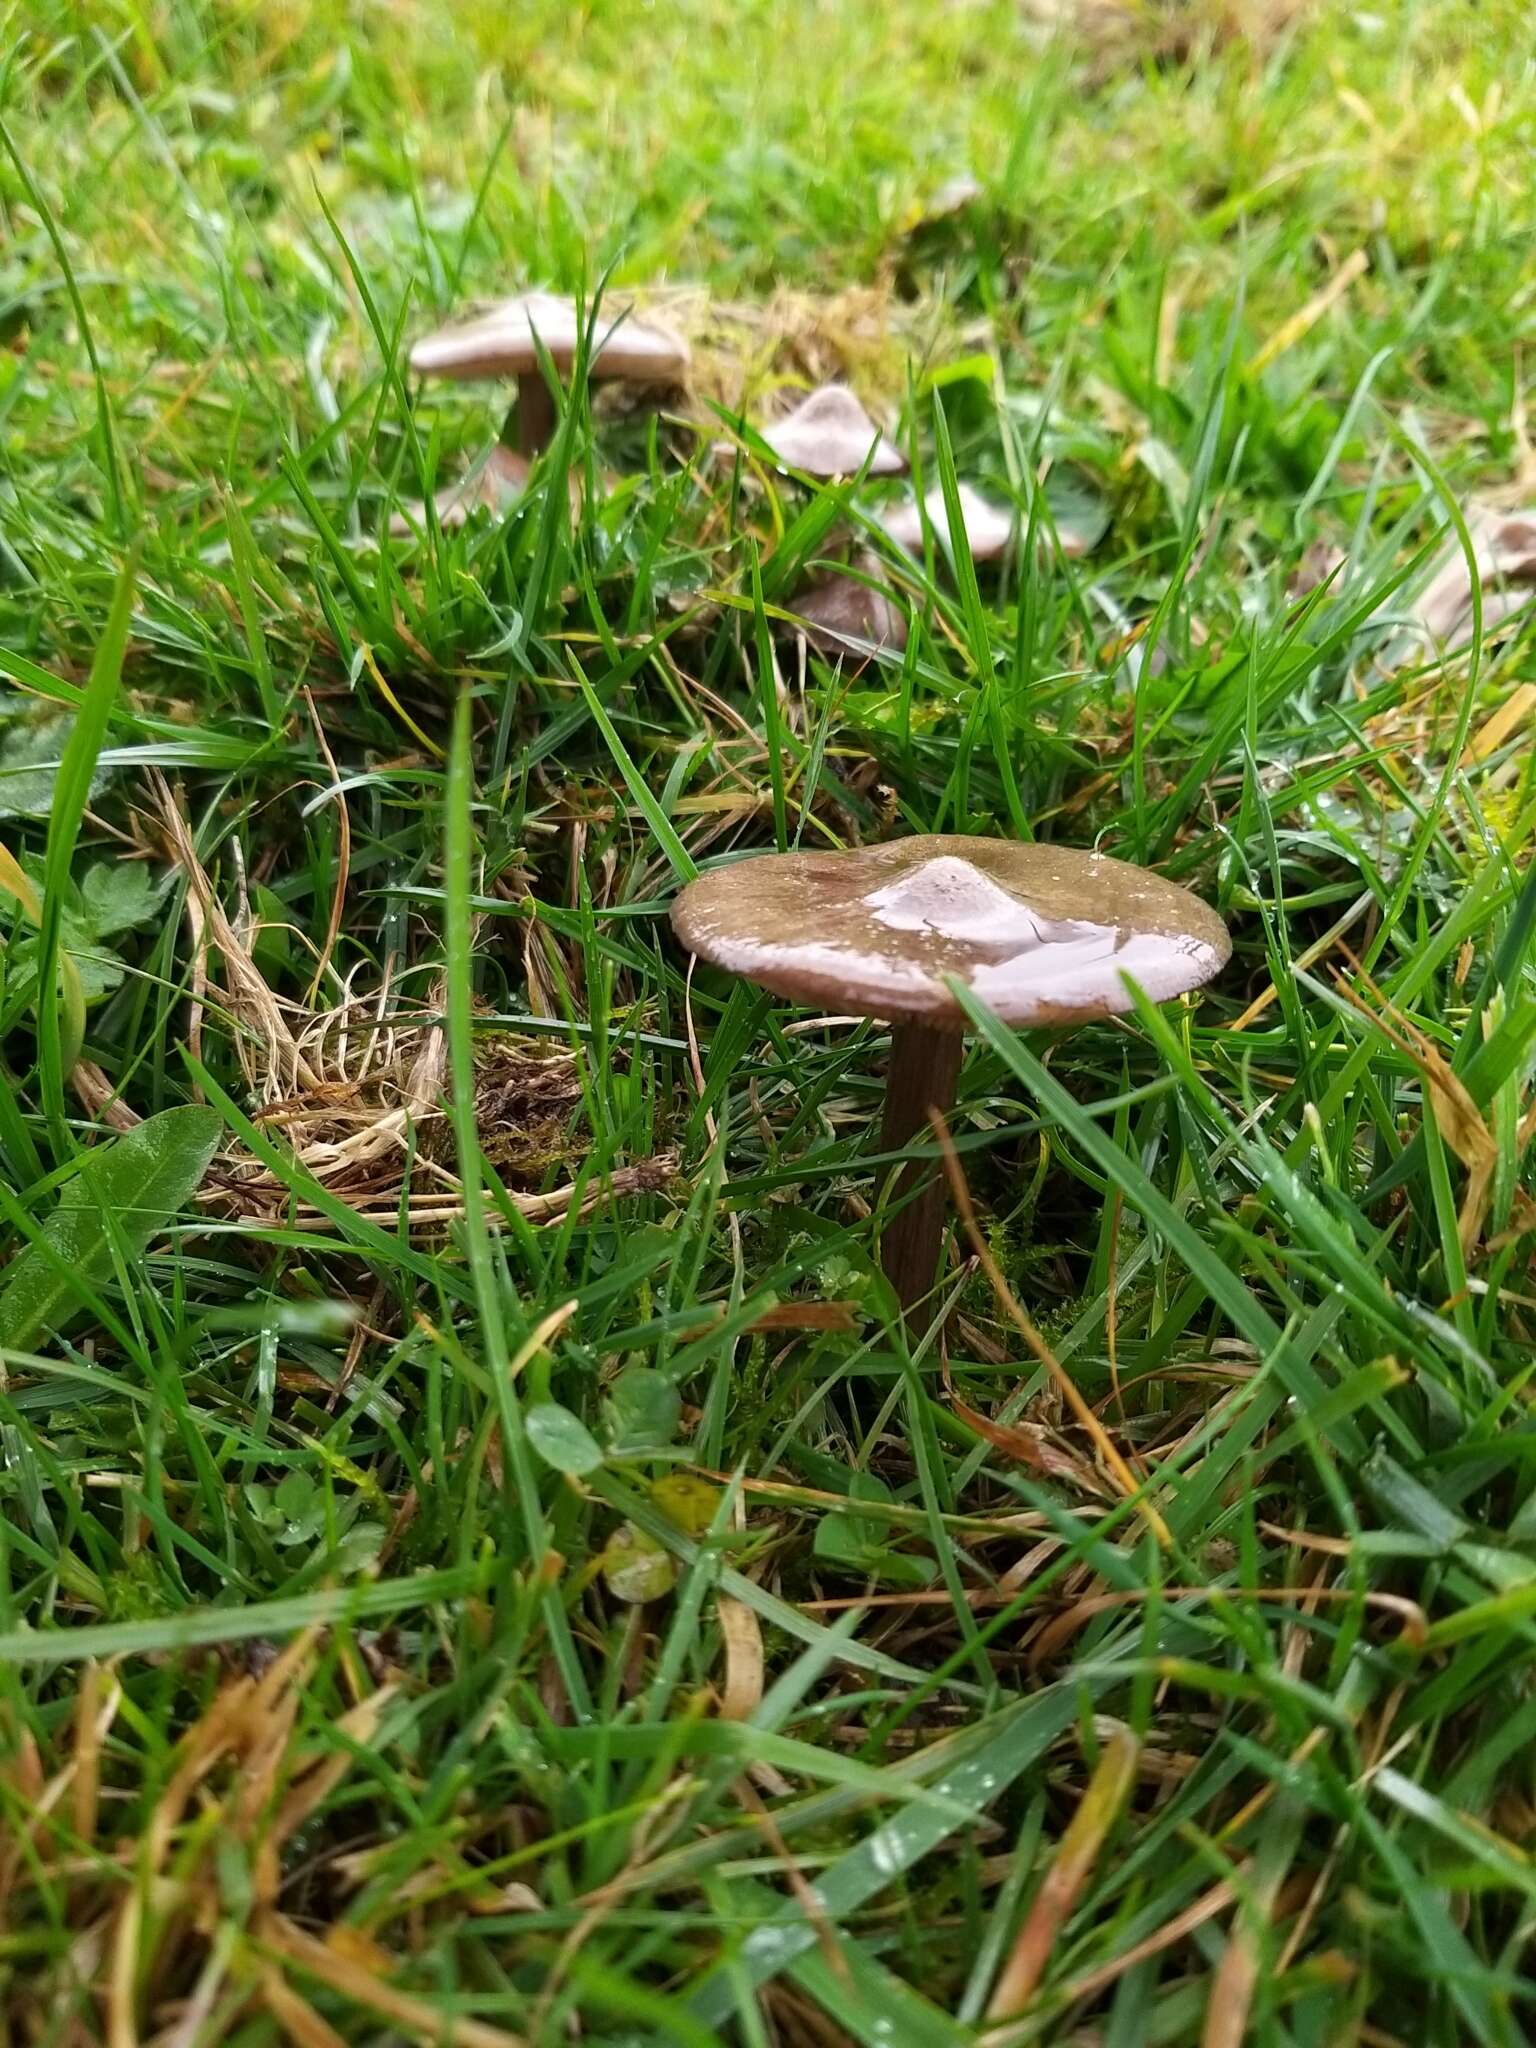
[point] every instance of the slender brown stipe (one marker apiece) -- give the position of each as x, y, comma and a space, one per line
923, 1075
536, 416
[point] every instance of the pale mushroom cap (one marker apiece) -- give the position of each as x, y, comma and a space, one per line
830, 434
1043, 934
1504, 550
500, 343
988, 527
952, 195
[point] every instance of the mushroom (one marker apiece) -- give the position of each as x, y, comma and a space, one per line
494, 482
953, 196
506, 340
1503, 554
989, 528
843, 614
1045, 935
830, 434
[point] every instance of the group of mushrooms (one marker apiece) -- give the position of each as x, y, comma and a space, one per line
827, 436
1043, 936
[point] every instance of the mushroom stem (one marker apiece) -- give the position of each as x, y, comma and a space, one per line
924, 1073
535, 414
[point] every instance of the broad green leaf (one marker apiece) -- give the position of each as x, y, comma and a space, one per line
642, 1410
843, 1540
562, 1439
30, 752
117, 895
121, 1196
92, 969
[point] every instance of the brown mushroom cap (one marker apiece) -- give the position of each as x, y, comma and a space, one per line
844, 615
830, 434
500, 343
1043, 934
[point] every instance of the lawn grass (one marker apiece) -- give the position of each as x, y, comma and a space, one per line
489, 1567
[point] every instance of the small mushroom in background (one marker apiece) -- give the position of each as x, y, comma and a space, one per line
1321, 561
844, 615
505, 342
989, 528
493, 483
830, 434
1504, 555
952, 197
1044, 935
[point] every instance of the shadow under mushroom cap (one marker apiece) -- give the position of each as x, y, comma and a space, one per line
1042, 934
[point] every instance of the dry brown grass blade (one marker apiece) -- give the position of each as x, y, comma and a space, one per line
1026, 1443
263, 1200
807, 1315
22, 1774
1306, 317
1077, 1853
352, 1979
96, 1707
249, 1720
1503, 724
1206, 1907
99, 1098
808, 1897
1303, 960
539, 1337
1007, 1301
251, 1001
1061, 1629
1237, 1974
357, 1729
743, 1659
295, 2015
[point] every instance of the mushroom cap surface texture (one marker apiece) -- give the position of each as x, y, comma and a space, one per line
500, 343
1042, 934
830, 434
